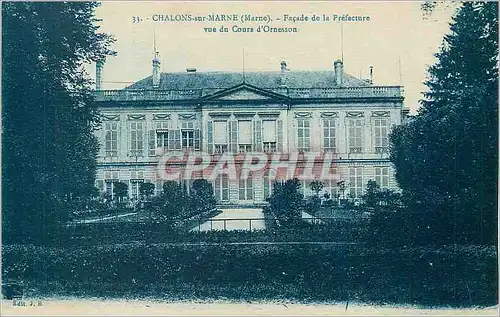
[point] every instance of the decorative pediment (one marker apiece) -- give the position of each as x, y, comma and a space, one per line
220, 114
187, 116
114, 117
161, 116
355, 114
244, 114
303, 114
269, 114
329, 115
243, 92
381, 114
136, 117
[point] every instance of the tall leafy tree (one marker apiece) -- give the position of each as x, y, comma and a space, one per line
286, 202
49, 150
446, 156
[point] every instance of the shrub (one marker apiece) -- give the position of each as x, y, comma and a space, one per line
286, 202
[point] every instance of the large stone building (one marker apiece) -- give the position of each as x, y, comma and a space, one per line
226, 113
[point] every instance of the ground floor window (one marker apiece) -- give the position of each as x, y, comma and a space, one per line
355, 182
246, 188
331, 188
221, 188
382, 177
268, 180
135, 186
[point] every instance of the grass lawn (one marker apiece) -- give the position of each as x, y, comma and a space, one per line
445, 276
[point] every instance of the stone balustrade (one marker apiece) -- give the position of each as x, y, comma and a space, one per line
297, 93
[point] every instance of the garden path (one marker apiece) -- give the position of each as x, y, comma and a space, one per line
235, 219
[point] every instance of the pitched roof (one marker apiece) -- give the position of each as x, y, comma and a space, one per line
269, 79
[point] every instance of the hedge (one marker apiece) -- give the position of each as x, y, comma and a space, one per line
454, 276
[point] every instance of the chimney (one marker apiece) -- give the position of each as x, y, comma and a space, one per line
339, 72
283, 73
98, 73
371, 73
156, 70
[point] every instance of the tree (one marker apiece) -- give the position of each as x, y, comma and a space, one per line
49, 150
446, 157
202, 197
174, 200
147, 190
120, 191
371, 198
286, 202
316, 187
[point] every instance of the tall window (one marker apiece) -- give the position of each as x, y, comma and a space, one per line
355, 182
381, 127
268, 179
110, 177
329, 144
220, 137
187, 134
355, 135
332, 188
303, 134
136, 138
136, 179
162, 128
244, 136
111, 138
305, 188
221, 188
269, 136
246, 188
382, 177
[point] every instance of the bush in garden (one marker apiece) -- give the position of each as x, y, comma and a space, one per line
202, 197
120, 190
172, 203
286, 202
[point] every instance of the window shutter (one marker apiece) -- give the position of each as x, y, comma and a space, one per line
210, 137
279, 128
171, 140
233, 136
101, 136
144, 139
152, 143
257, 135
177, 136
197, 139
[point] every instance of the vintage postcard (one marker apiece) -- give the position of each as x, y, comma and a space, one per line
249, 158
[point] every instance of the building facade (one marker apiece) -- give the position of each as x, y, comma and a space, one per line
160, 124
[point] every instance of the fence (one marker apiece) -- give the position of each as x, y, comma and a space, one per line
220, 230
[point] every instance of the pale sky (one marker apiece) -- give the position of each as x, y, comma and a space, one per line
397, 34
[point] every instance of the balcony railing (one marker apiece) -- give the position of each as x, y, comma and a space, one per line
381, 149
191, 94
220, 148
269, 147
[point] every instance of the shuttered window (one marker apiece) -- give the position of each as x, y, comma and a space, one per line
355, 182
111, 138
136, 138
245, 132
220, 132
303, 134
355, 135
329, 135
